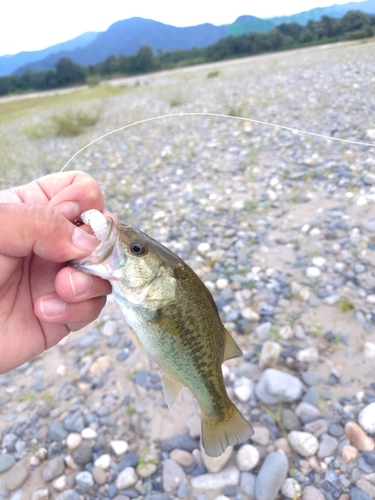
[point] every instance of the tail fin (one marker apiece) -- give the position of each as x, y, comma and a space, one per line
218, 434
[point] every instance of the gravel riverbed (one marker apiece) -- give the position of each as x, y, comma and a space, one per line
281, 228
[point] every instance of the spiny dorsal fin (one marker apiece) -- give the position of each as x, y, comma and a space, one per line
231, 349
172, 389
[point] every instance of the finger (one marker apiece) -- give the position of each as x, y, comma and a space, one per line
75, 286
27, 229
51, 308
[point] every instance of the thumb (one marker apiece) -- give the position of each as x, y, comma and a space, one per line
27, 229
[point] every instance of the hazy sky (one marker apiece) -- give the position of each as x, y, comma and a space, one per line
37, 24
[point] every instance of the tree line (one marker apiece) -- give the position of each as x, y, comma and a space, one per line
352, 26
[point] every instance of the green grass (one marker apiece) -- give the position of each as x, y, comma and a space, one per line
11, 110
345, 305
213, 74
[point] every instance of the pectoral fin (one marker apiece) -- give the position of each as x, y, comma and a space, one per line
172, 389
231, 349
141, 348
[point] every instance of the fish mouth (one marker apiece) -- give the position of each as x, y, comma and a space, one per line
106, 257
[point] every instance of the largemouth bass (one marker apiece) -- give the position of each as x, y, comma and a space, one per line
176, 323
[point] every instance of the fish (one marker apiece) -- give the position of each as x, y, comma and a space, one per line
176, 323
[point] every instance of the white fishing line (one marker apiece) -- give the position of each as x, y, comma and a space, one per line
217, 115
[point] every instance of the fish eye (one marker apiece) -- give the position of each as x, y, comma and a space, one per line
138, 248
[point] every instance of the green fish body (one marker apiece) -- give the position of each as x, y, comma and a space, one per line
176, 323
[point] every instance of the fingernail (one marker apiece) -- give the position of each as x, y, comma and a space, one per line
80, 282
84, 241
52, 306
69, 209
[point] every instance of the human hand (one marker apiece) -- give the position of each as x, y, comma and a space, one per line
41, 298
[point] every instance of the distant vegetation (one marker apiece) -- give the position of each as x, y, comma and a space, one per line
353, 25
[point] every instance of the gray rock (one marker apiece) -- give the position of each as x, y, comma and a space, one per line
6, 462
271, 476
173, 474
68, 495
126, 478
312, 493
311, 396
182, 441
289, 420
14, 478
227, 477
184, 489
317, 427
327, 446
74, 422
311, 377
357, 494
275, 386
307, 412
247, 484
53, 469
83, 454
57, 431
263, 331
9, 441
335, 429
84, 479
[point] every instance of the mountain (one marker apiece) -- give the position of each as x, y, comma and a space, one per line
129, 35
368, 6
9, 63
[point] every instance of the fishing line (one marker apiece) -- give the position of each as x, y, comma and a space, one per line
216, 115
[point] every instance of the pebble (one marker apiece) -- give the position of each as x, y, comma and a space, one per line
327, 446
119, 447
53, 469
57, 431
291, 488
227, 477
68, 494
366, 418
271, 476
103, 461
84, 479
41, 494
357, 494
269, 354
126, 478
303, 443
358, 437
247, 484
15, 477
182, 457
308, 355
99, 475
6, 462
312, 493
275, 386
89, 433
216, 464
243, 388
289, 420
247, 457
173, 474
83, 454
73, 440
349, 453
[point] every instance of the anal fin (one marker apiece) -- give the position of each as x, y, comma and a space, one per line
231, 349
172, 389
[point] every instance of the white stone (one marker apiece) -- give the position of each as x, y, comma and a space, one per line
308, 355
366, 418
119, 447
319, 261
247, 457
303, 443
42, 494
312, 272
243, 388
291, 488
60, 484
369, 350
216, 464
249, 314
109, 328
227, 477
286, 332
88, 433
73, 440
222, 283
203, 247
269, 354
370, 299
194, 426
104, 461
126, 478
61, 370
